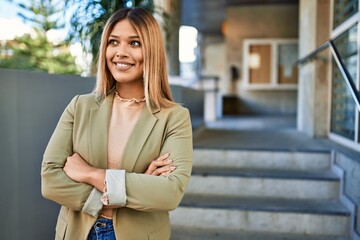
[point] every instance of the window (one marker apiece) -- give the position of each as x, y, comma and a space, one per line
343, 109
187, 51
345, 117
270, 63
343, 10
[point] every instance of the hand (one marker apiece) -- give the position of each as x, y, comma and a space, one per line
76, 168
161, 166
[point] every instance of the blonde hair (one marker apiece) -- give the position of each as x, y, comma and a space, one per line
156, 85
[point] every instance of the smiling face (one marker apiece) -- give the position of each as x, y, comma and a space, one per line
124, 57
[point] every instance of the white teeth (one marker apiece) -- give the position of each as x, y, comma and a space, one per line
123, 65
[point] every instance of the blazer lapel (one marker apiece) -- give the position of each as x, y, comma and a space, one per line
99, 130
138, 137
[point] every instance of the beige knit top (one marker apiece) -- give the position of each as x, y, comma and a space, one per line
124, 115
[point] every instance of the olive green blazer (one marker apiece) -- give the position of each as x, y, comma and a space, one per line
83, 128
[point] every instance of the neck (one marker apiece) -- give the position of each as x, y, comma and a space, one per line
129, 91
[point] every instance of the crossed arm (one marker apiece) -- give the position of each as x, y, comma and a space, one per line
68, 180
77, 169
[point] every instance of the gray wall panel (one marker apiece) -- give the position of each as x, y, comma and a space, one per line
30, 106
8, 156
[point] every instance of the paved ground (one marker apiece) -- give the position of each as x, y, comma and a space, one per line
254, 122
214, 234
256, 133
262, 133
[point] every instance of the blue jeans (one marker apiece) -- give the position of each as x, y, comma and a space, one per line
103, 229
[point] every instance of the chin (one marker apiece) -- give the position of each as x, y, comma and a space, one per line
123, 79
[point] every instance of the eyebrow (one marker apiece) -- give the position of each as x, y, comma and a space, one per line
131, 37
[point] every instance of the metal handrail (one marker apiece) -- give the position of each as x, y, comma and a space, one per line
313, 54
343, 69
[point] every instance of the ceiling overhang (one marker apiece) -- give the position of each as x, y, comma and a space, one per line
207, 16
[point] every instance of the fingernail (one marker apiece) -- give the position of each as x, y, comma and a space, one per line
167, 154
172, 168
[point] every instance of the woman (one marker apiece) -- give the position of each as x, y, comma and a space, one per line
99, 163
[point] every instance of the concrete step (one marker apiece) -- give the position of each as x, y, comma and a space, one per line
265, 173
286, 160
179, 233
285, 184
318, 217
333, 207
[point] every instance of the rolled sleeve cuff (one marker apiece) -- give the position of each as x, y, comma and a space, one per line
93, 205
115, 184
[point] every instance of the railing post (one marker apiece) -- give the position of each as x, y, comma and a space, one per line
212, 103
212, 98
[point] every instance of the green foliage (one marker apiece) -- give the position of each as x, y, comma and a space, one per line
39, 54
35, 51
42, 14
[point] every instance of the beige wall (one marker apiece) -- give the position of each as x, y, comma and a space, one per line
215, 62
267, 21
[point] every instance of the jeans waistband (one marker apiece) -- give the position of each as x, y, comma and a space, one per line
103, 224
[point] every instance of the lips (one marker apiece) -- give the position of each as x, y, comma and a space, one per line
123, 66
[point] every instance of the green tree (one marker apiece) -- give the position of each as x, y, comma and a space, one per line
35, 51
39, 54
44, 15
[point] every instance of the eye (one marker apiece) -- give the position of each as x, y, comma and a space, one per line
112, 42
135, 43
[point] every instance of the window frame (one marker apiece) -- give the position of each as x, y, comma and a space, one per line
274, 44
335, 32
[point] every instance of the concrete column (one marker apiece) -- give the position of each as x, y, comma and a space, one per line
314, 80
173, 7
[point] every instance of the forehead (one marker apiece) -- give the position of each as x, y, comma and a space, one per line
123, 27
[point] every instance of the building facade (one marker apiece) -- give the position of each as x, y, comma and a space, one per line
261, 52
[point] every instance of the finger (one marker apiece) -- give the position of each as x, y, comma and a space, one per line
166, 173
161, 170
152, 167
163, 160
163, 163
160, 162
163, 157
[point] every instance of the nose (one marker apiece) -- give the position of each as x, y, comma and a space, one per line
121, 51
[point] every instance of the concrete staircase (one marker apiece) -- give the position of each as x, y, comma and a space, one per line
238, 194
